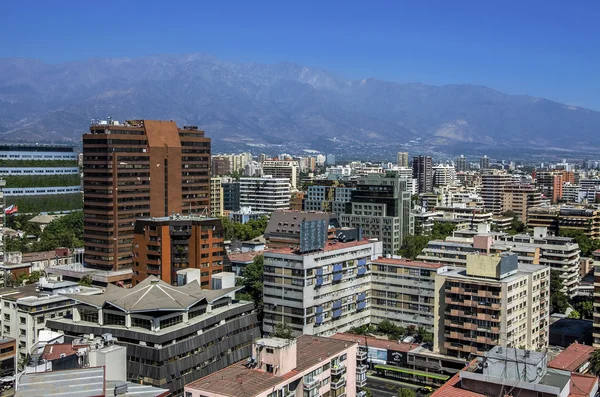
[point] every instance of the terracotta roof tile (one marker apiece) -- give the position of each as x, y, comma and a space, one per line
572, 357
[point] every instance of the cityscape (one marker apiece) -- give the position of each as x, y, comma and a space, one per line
179, 224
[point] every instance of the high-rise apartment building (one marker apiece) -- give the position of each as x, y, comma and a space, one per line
557, 217
484, 163
282, 169
216, 197
422, 168
403, 159
381, 207
403, 291
231, 196
327, 198
265, 194
596, 256
164, 246
518, 198
495, 301
319, 292
550, 183
461, 164
142, 168
493, 184
221, 165
444, 175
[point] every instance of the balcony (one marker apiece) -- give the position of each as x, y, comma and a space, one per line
361, 369
361, 382
361, 355
311, 384
339, 369
338, 384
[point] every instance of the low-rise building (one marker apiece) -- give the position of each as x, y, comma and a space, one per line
495, 301
403, 291
309, 366
575, 358
8, 356
174, 335
319, 292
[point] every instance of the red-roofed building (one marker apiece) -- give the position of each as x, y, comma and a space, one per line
575, 358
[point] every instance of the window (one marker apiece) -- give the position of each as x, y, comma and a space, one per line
269, 350
7, 317
270, 368
40, 320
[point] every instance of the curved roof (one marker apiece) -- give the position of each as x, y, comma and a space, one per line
153, 294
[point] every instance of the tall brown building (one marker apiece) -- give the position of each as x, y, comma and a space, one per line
163, 246
134, 170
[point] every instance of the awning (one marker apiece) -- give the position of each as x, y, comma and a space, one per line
412, 372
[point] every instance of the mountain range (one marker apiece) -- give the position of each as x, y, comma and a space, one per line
250, 105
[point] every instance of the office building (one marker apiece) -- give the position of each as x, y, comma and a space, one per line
231, 196
25, 310
284, 227
484, 163
493, 183
403, 160
142, 168
216, 197
381, 207
164, 246
319, 292
422, 168
309, 366
517, 372
334, 199
494, 301
35, 174
518, 198
461, 164
174, 335
220, 165
403, 291
265, 194
282, 169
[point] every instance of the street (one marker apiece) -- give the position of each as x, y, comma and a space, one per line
387, 387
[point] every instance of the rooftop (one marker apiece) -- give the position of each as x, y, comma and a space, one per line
239, 381
153, 294
408, 262
572, 358
376, 342
58, 350
329, 246
244, 256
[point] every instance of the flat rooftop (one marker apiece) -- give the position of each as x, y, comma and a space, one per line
329, 246
408, 262
376, 342
239, 381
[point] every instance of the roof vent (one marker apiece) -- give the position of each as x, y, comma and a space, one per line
154, 281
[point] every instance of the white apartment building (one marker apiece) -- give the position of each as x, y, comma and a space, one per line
216, 197
265, 194
282, 169
444, 175
24, 310
321, 292
493, 183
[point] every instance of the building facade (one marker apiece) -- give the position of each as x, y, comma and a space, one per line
216, 197
327, 198
422, 167
493, 184
403, 291
134, 170
402, 159
231, 196
519, 198
265, 194
282, 169
321, 292
173, 335
381, 207
164, 246
495, 301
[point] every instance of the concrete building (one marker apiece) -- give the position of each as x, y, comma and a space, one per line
484, 163
246, 214
320, 292
135, 170
220, 165
309, 366
8, 356
403, 291
550, 183
330, 159
216, 197
422, 167
444, 175
596, 256
493, 183
282, 169
519, 198
461, 164
557, 217
515, 372
164, 246
265, 194
284, 227
403, 159
381, 207
25, 310
334, 199
231, 196
174, 335
495, 301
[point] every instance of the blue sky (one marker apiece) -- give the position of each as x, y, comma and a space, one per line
546, 49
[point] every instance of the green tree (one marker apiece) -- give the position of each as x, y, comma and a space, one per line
574, 314
585, 308
405, 392
586, 244
595, 362
368, 392
85, 281
34, 277
282, 330
253, 283
412, 246
558, 299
